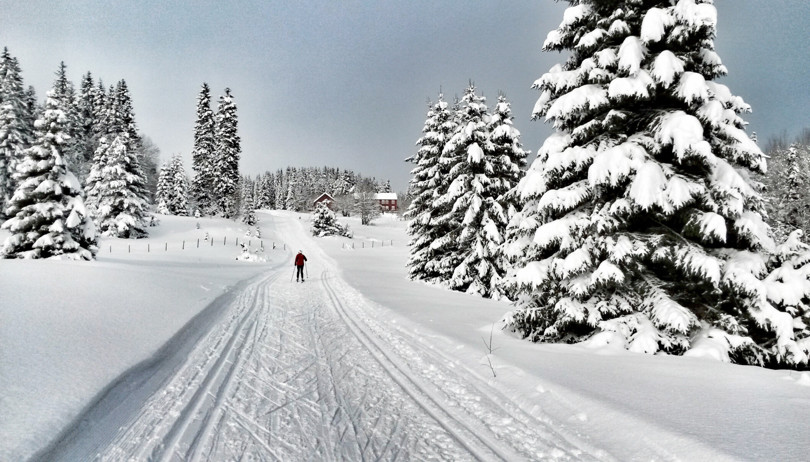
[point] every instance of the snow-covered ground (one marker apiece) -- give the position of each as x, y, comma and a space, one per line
183, 353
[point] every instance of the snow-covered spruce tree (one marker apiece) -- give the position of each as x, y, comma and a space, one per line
426, 185
785, 185
48, 216
85, 121
202, 157
115, 189
179, 203
247, 202
324, 223
164, 188
226, 156
172, 190
465, 255
16, 125
640, 226
65, 95
509, 157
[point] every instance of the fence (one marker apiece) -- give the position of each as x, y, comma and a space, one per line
362, 245
200, 242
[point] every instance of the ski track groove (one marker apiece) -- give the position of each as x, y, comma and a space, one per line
509, 444
292, 374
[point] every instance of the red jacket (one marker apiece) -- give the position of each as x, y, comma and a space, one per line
300, 259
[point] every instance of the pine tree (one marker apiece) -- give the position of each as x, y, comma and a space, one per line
164, 188
226, 156
16, 125
463, 150
172, 189
85, 118
179, 203
640, 224
324, 223
65, 95
427, 185
202, 162
49, 219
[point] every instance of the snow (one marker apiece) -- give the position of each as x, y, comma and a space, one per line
631, 54
654, 25
666, 67
381, 334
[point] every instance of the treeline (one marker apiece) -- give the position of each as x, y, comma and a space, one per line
71, 167
786, 184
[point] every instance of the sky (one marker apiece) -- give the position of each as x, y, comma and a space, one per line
345, 83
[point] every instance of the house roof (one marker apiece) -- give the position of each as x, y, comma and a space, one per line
385, 196
321, 196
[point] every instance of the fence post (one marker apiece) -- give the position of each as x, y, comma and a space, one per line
148, 248
224, 240
110, 248
237, 242
363, 245
184, 245
129, 248
212, 242
166, 249
261, 243
198, 242
372, 244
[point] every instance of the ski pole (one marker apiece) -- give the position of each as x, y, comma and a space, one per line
293, 273
306, 268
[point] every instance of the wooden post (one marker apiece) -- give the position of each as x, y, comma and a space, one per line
166, 248
110, 248
198, 242
224, 240
129, 248
237, 242
148, 248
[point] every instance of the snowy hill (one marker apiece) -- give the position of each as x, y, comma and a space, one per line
113, 342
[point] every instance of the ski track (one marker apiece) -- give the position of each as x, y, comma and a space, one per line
311, 372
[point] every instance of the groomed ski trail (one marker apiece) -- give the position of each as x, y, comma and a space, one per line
313, 372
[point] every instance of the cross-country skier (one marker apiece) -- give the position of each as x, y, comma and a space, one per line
299, 263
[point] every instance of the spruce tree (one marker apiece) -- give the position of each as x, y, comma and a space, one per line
640, 225
164, 188
226, 156
16, 125
179, 205
461, 201
48, 215
115, 189
65, 95
172, 188
324, 223
85, 135
427, 185
202, 156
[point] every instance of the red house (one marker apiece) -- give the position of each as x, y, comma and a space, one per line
388, 201
326, 199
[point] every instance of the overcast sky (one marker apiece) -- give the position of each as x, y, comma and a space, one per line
344, 83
